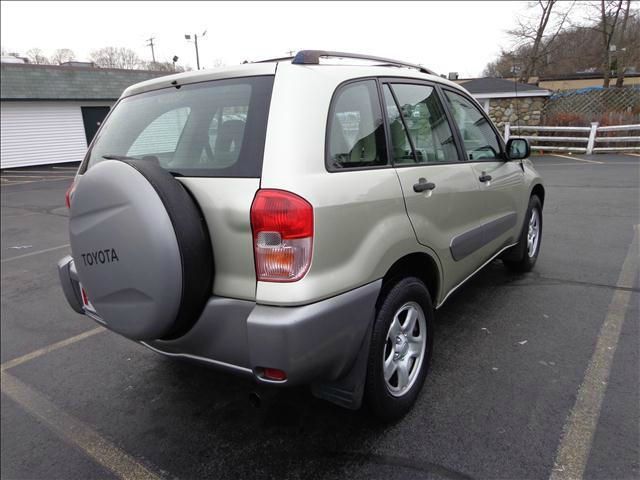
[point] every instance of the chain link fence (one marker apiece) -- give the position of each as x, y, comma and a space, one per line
607, 106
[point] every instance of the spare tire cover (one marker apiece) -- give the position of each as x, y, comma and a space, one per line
138, 241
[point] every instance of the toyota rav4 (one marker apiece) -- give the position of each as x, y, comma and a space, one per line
298, 220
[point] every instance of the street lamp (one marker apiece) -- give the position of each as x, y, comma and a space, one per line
195, 38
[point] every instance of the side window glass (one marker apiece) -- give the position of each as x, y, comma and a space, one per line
356, 131
161, 135
480, 141
426, 123
402, 150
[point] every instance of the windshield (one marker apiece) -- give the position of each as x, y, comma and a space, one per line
213, 129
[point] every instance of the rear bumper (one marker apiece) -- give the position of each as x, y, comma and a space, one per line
318, 342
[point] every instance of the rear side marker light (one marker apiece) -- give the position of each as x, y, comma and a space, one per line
85, 298
282, 225
274, 374
69, 193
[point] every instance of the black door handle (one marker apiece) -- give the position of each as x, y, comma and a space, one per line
423, 185
484, 177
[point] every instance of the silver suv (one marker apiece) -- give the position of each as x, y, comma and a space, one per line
297, 221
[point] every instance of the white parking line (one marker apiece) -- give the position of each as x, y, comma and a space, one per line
74, 430
633, 154
50, 348
39, 177
37, 252
544, 164
578, 431
9, 182
21, 172
575, 158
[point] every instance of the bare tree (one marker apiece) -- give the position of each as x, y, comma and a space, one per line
532, 37
609, 13
62, 55
578, 47
622, 44
37, 57
116, 57
502, 67
163, 67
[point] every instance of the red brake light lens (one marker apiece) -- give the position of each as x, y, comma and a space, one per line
274, 374
282, 224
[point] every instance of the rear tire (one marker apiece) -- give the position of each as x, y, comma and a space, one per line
524, 255
400, 352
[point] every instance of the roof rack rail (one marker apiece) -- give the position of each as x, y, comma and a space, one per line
312, 57
269, 60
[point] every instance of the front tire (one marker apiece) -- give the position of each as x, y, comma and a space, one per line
525, 254
400, 352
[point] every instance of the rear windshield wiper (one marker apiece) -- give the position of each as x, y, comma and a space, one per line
118, 157
151, 158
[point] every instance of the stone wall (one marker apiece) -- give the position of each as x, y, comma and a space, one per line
527, 111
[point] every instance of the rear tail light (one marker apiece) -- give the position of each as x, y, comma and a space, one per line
282, 224
69, 194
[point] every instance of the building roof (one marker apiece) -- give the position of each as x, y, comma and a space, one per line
54, 82
490, 87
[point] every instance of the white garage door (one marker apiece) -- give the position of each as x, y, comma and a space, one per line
36, 133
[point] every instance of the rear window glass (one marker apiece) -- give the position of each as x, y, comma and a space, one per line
214, 129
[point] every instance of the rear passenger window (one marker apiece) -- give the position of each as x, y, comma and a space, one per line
356, 130
480, 140
425, 122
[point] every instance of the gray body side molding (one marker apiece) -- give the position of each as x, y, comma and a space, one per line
468, 242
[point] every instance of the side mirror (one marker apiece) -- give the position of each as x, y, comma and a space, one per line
518, 149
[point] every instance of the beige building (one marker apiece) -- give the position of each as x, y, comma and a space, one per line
577, 80
574, 82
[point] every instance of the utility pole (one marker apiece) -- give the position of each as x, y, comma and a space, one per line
150, 44
195, 39
197, 55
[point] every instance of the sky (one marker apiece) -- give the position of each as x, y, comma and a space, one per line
447, 37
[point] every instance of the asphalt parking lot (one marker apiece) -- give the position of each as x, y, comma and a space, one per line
533, 376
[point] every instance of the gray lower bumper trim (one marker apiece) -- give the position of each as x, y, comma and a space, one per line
196, 358
319, 341
69, 283
309, 343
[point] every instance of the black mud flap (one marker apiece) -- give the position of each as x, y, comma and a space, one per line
348, 390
